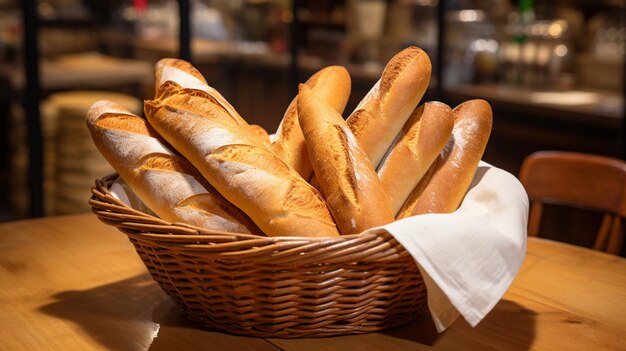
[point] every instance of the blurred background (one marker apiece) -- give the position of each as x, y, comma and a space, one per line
552, 70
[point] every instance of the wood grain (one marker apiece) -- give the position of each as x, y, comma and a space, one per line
72, 283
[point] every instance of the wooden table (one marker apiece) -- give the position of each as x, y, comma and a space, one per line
73, 283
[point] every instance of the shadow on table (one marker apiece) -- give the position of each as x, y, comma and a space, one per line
178, 333
508, 326
134, 314
115, 315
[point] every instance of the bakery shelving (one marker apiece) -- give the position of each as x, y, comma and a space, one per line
258, 81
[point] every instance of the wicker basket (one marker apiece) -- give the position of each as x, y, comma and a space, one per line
284, 287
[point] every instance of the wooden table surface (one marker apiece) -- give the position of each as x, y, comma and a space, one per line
73, 283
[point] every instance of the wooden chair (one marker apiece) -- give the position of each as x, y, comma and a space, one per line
578, 180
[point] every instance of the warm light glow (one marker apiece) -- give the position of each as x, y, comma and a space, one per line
513, 52
560, 50
536, 30
480, 45
571, 98
489, 45
555, 30
544, 52
468, 15
427, 2
492, 45
529, 51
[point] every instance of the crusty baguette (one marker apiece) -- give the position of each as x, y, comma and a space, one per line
173, 75
181, 72
332, 86
378, 118
457, 163
242, 168
186, 76
346, 177
167, 183
260, 132
421, 140
194, 101
419, 189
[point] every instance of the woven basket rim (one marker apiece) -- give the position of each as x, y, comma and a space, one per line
143, 226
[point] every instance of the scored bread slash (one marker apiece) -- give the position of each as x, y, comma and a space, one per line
181, 72
166, 182
346, 177
456, 165
379, 117
419, 143
187, 76
192, 100
172, 75
331, 85
240, 166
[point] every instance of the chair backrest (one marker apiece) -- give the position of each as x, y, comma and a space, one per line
579, 180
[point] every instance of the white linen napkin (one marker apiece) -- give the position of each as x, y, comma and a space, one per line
121, 191
469, 258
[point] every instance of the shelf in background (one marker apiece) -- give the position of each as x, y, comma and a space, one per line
600, 108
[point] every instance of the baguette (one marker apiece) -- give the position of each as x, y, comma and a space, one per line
186, 76
242, 168
379, 117
167, 183
181, 72
195, 101
332, 86
260, 132
456, 165
421, 140
346, 177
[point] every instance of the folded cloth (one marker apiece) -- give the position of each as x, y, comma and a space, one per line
121, 191
469, 258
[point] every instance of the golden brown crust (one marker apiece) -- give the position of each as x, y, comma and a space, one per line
395, 67
344, 164
260, 132
243, 169
181, 65
358, 122
192, 100
167, 162
160, 178
331, 85
422, 138
456, 164
407, 208
172, 75
217, 205
379, 117
126, 123
346, 178
199, 102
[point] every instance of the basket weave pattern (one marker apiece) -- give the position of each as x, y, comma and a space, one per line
272, 287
